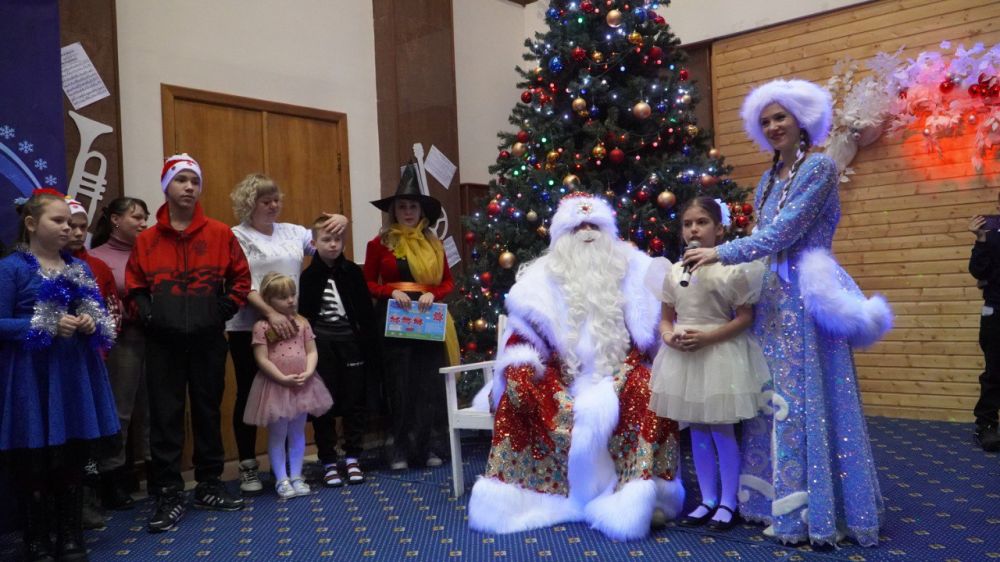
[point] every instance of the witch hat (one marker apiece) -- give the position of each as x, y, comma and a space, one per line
409, 188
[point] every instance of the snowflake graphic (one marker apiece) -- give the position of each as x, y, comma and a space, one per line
51, 180
6, 132
25, 147
41, 164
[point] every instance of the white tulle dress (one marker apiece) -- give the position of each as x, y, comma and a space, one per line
719, 383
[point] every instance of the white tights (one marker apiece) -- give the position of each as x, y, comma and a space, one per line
294, 430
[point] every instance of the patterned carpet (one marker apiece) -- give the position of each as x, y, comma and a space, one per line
941, 496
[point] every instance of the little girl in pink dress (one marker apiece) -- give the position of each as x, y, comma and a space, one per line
285, 391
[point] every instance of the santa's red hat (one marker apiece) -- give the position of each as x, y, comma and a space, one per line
174, 165
578, 208
75, 206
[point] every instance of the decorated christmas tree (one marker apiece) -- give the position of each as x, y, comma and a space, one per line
606, 107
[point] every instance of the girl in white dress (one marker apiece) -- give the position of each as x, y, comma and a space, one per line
709, 369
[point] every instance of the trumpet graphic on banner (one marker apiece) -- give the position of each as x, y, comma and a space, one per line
84, 183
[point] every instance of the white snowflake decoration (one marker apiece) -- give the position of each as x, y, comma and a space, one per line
51, 180
41, 164
25, 147
6, 132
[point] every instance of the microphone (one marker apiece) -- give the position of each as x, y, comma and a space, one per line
686, 273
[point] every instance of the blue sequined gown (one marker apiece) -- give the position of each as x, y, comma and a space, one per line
52, 396
823, 481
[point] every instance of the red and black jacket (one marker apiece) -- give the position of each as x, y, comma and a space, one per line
190, 282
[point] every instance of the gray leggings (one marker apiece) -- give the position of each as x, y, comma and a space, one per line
126, 369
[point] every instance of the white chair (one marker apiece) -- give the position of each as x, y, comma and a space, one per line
466, 418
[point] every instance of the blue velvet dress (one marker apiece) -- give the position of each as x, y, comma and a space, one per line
819, 482
54, 391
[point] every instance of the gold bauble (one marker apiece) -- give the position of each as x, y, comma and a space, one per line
599, 151
579, 104
531, 216
571, 181
479, 325
635, 38
597, 57
518, 149
552, 156
692, 130
610, 194
686, 99
642, 110
666, 199
542, 231
714, 153
506, 260
614, 18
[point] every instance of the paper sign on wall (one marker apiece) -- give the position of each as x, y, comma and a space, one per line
80, 80
438, 165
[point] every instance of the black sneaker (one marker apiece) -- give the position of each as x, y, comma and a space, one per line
213, 495
988, 438
169, 510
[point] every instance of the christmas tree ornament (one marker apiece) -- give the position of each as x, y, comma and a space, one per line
642, 196
686, 99
666, 199
656, 246
579, 54
471, 346
947, 86
493, 209
692, 130
635, 38
655, 54
479, 325
599, 151
504, 154
470, 237
485, 278
683, 74
542, 231
616, 156
518, 149
532, 216
506, 260
708, 180
639, 14
579, 104
597, 57
741, 221
555, 64
614, 18
747, 208
642, 110
571, 180
523, 136
587, 6
552, 157
714, 153
526, 96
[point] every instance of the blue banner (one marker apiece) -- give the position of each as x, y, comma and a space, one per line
32, 147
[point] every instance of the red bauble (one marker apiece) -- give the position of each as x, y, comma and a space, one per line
974, 90
493, 209
659, 20
471, 346
656, 245
587, 6
747, 208
485, 278
642, 196
946, 86
683, 74
523, 136
526, 96
504, 154
741, 221
655, 53
470, 237
616, 156
579, 54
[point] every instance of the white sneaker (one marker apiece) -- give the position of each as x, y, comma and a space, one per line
399, 464
284, 489
250, 477
300, 487
434, 460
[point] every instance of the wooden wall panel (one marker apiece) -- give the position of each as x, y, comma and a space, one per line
903, 230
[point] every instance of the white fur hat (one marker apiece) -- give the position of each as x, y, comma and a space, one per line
577, 208
811, 105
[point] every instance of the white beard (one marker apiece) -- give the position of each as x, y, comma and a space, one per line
589, 268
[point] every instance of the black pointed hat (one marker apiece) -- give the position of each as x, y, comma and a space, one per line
409, 188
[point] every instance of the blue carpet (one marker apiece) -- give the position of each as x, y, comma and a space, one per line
941, 495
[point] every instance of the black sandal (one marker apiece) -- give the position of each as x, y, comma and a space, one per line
716, 525
689, 521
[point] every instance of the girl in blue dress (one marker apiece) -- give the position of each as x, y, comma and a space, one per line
55, 400
807, 462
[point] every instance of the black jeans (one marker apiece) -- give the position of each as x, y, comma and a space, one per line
245, 369
416, 397
342, 368
989, 382
192, 367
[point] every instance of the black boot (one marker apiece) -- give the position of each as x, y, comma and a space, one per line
38, 545
69, 510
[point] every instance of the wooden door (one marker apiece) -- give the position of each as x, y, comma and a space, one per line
303, 149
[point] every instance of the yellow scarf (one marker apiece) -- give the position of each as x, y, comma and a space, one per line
425, 257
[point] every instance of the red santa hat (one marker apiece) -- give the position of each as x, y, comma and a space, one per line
75, 206
578, 208
176, 164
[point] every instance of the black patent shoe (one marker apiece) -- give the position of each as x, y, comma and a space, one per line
689, 521
988, 438
719, 526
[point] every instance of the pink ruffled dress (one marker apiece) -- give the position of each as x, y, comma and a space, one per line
269, 401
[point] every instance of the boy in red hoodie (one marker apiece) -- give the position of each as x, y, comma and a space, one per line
187, 275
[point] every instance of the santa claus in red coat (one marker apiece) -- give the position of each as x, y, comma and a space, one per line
574, 439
